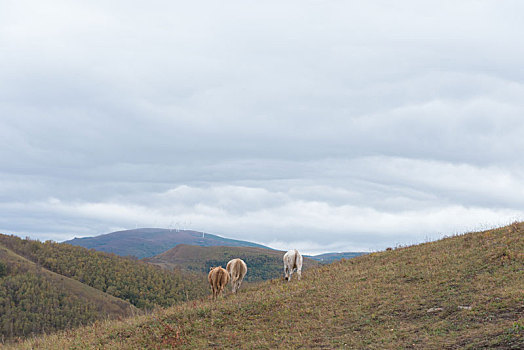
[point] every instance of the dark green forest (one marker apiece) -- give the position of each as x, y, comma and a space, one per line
142, 284
38, 282
30, 303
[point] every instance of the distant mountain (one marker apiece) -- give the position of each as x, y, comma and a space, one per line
262, 263
331, 257
148, 242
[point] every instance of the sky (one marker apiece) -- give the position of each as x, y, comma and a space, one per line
318, 125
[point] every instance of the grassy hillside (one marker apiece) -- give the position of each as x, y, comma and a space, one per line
35, 300
262, 264
460, 292
147, 242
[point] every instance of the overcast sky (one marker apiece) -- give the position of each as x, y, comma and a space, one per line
317, 125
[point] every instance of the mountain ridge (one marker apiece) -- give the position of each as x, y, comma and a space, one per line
148, 242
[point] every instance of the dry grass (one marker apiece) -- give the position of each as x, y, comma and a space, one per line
475, 282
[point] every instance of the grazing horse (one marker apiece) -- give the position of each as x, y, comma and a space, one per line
292, 260
237, 269
218, 278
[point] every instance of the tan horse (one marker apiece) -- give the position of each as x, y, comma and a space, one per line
218, 278
237, 269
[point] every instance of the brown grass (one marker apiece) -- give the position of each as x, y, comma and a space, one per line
377, 301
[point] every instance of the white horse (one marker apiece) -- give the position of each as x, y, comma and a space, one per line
292, 260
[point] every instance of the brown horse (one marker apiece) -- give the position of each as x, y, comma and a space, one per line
218, 278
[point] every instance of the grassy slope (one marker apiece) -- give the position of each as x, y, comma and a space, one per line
105, 304
376, 301
262, 263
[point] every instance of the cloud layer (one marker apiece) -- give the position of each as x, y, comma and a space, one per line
325, 126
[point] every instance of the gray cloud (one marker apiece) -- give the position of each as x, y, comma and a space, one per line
322, 125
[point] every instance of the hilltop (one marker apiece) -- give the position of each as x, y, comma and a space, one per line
263, 264
460, 292
148, 242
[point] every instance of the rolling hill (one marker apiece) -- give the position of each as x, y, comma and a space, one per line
148, 242
464, 291
263, 264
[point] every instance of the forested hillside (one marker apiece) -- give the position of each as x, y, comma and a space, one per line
262, 264
34, 300
142, 284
